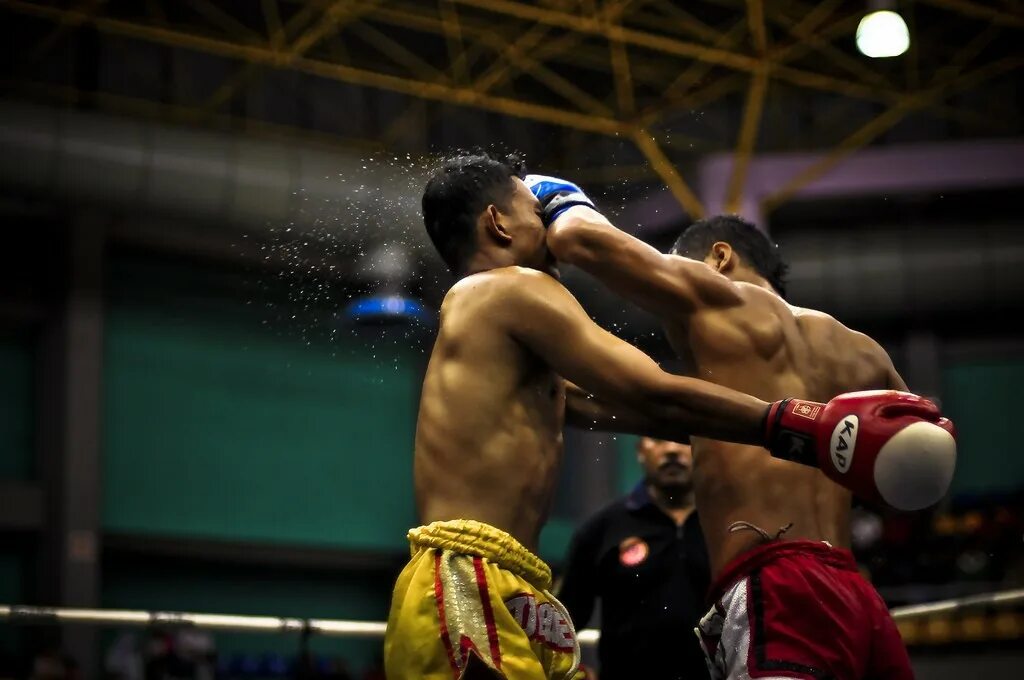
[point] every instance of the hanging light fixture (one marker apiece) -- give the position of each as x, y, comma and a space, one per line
882, 32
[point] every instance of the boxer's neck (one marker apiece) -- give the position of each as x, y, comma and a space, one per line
745, 274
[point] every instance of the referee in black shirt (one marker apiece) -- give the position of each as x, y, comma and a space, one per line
644, 557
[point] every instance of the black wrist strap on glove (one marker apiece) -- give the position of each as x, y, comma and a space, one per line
791, 445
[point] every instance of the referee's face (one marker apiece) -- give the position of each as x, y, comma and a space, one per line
666, 464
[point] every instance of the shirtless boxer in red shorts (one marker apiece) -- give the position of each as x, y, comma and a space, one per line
788, 601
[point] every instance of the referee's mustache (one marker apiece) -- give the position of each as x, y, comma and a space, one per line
673, 462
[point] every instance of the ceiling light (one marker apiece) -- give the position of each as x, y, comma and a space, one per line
882, 34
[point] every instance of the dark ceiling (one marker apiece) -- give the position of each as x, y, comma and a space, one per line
625, 92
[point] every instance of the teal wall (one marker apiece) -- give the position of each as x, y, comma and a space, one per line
12, 574
212, 430
555, 538
16, 408
218, 426
629, 471
982, 398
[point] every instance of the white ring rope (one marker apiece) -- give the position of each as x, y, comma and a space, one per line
374, 629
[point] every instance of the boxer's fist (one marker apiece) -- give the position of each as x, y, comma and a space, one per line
555, 195
885, 446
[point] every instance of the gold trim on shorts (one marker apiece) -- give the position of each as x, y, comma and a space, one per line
470, 537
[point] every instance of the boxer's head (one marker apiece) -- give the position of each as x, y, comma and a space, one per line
480, 215
735, 248
667, 465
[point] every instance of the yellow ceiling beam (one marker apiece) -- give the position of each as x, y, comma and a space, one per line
667, 45
752, 110
266, 56
667, 172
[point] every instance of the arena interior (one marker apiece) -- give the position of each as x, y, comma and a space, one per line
217, 297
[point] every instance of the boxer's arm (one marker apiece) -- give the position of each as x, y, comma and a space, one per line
665, 285
542, 315
585, 411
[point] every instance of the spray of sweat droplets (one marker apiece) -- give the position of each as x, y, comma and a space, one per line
360, 232
351, 235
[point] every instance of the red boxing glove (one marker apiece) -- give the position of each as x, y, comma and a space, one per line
884, 446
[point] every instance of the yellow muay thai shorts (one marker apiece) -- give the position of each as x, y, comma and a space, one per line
473, 597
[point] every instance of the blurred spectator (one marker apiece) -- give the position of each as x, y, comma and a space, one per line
273, 665
124, 659
52, 664
974, 546
160, 655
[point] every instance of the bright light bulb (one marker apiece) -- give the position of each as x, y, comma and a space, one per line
882, 34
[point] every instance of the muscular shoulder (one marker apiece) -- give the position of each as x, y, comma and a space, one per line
852, 347
859, 345
502, 298
507, 282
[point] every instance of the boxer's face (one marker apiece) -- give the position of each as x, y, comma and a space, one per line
522, 213
666, 464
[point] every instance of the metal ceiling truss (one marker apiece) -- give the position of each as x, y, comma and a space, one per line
609, 67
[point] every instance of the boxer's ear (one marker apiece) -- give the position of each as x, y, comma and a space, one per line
495, 227
723, 257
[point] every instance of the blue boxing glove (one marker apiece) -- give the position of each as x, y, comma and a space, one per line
556, 195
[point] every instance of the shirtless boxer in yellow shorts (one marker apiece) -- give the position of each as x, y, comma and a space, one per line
475, 601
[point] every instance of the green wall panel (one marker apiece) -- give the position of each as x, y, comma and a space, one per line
629, 469
982, 399
217, 426
12, 577
555, 538
16, 408
219, 432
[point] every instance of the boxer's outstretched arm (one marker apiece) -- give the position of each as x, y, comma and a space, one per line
585, 411
541, 314
665, 285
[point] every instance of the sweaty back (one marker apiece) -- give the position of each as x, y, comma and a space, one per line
772, 350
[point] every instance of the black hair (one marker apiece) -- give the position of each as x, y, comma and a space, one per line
752, 244
456, 193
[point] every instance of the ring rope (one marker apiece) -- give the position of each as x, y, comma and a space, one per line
25, 614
